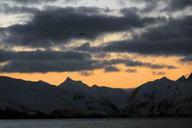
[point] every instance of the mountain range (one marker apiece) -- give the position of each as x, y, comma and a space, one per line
75, 99
162, 97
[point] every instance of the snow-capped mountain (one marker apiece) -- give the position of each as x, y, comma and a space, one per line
161, 97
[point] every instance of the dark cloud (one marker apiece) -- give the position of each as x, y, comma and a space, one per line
179, 4
169, 5
173, 37
53, 26
58, 25
136, 63
49, 66
43, 55
97, 50
87, 47
49, 61
133, 63
55, 61
31, 1
111, 69
38, 61
6, 8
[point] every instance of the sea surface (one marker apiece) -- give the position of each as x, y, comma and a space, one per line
99, 123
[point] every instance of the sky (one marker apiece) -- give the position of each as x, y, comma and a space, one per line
114, 43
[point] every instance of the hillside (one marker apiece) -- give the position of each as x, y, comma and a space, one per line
72, 99
69, 99
161, 97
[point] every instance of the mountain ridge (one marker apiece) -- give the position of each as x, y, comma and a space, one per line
189, 77
70, 99
161, 99
75, 99
70, 82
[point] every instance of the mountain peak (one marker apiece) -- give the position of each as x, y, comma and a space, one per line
95, 86
164, 79
41, 82
190, 77
181, 79
70, 82
68, 79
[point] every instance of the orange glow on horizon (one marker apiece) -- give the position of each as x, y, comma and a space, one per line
120, 79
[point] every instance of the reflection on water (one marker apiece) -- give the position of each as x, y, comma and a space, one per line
99, 123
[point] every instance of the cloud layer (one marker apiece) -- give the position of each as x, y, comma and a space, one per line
171, 38
41, 61
58, 25
158, 28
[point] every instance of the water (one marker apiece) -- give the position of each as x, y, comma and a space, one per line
99, 123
